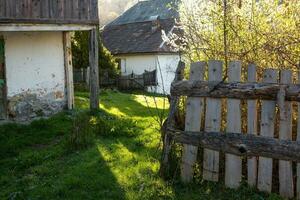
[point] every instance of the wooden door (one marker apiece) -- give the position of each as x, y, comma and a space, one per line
2, 80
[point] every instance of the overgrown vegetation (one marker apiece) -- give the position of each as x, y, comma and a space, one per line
80, 51
121, 162
263, 32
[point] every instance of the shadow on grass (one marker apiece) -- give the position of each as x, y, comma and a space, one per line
34, 164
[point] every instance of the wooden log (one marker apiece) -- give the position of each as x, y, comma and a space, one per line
246, 145
265, 165
212, 123
69, 69
233, 163
94, 69
215, 89
194, 111
252, 128
171, 123
286, 186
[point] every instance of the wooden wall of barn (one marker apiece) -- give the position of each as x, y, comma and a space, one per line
49, 11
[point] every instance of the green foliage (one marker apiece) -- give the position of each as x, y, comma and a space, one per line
263, 32
34, 163
80, 51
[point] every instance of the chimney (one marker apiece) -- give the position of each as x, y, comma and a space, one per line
155, 20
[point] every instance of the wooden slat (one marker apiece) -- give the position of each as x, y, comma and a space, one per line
212, 123
2, 8
36, 8
94, 69
69, 69
286, 186
252, 128
265, 165
233, 163
45, 9
246, 145
75, 9
194, 111
265, 91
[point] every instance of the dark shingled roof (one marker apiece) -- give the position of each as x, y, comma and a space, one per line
132, 31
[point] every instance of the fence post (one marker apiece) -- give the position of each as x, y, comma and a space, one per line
87, 76
212, 124
194, 111
265, 165
233, 163
286, 187
252, 128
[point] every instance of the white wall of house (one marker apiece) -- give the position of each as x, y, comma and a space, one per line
34, 63
165, 64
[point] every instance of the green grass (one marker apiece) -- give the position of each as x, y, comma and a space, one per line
35, 163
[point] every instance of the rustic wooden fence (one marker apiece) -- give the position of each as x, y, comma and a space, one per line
269, 107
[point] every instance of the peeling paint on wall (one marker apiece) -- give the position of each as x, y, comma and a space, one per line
35, 74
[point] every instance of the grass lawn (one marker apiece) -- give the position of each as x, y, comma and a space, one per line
35, 163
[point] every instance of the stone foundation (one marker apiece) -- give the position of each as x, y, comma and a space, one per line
25, 107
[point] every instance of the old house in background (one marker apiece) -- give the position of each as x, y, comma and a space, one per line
35, 55
135, 38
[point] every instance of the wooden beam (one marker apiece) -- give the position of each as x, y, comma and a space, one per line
68, 69
94, 69
264, 91
44, 27
247, 145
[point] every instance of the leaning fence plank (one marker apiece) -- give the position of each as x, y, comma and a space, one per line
194, 110
212, 123
233, 163
286, 186
298, 139
267, 129
252, 128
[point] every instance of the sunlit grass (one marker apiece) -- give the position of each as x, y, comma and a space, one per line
34, 163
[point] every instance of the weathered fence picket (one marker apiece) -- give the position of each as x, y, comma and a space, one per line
233, 163
252, 128
194, 110
286, 186
212, 123
259, 147
265, 165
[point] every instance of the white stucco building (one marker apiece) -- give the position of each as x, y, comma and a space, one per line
135, 39
35, 56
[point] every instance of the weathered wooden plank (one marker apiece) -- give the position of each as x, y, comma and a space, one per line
252, 128
286, 186
233, 163
94, 69
60, 8
68, 9
69, 69
212, 123
75, 9
36, 8
246, 145
45, 11
264, 91
194, 111
265, 165
2, 8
